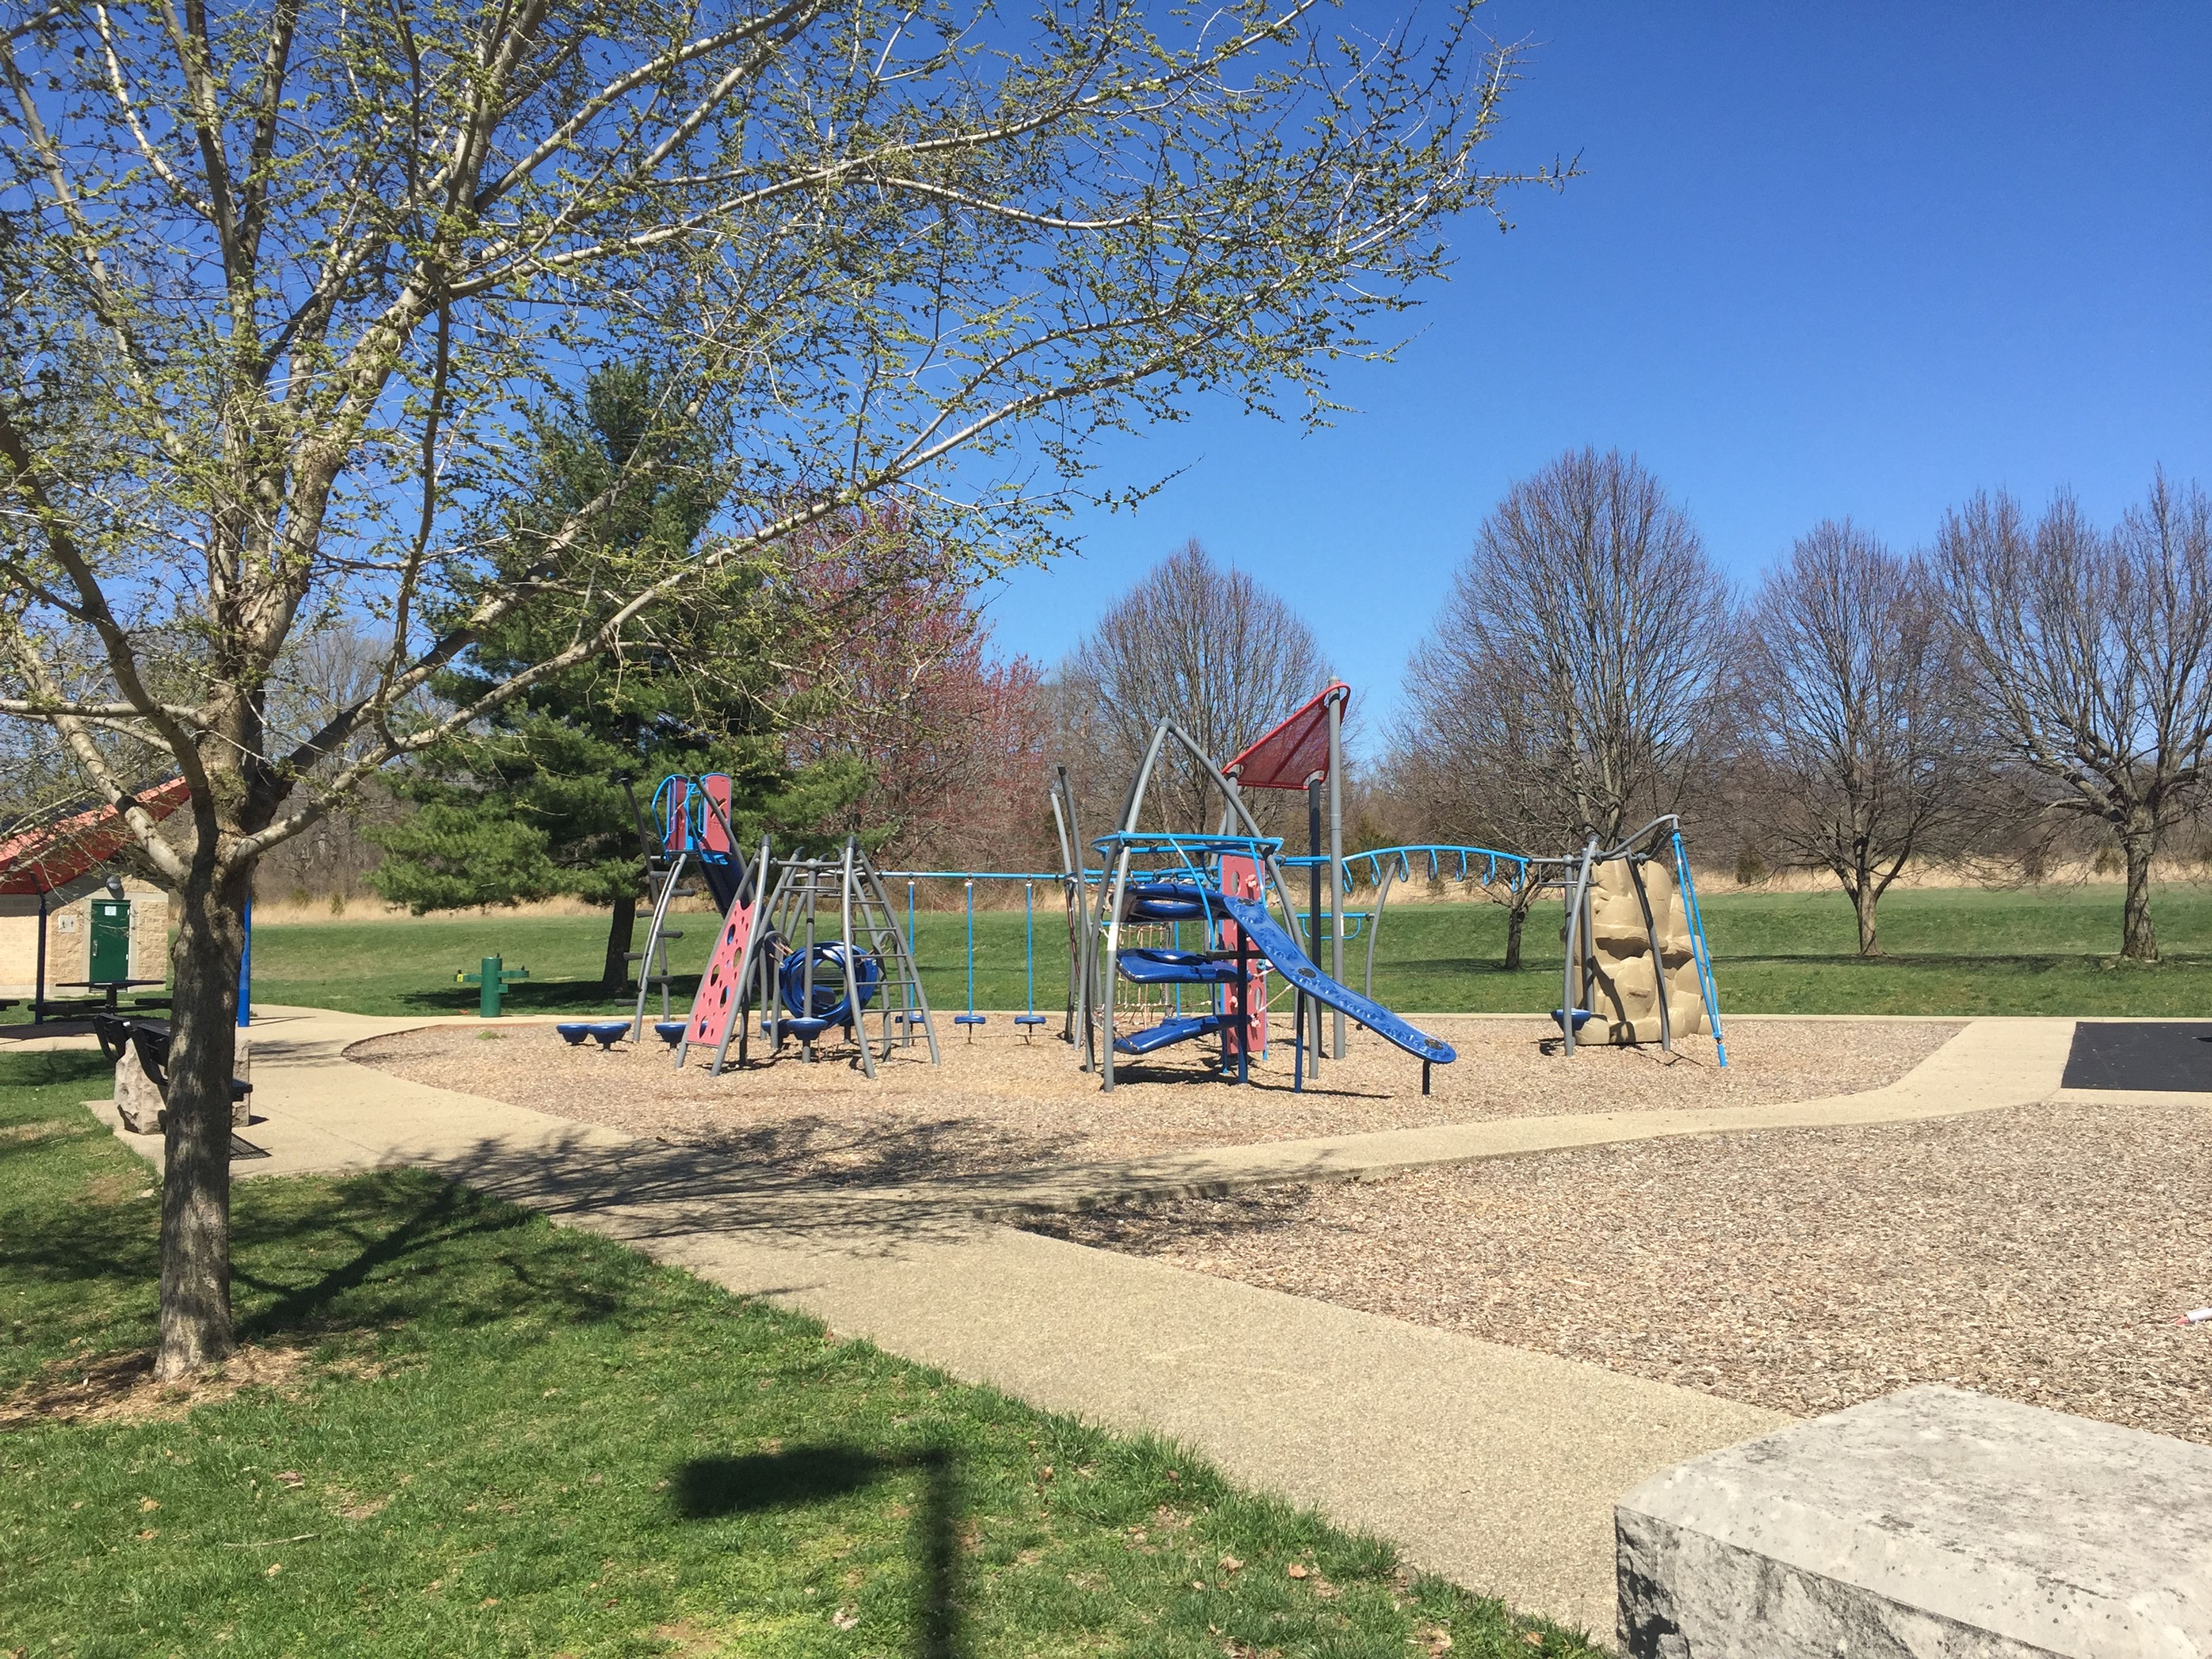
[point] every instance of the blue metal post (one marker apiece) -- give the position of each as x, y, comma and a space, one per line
1029, 1016
972, 1019
1177, 990
246, 970
1700, 952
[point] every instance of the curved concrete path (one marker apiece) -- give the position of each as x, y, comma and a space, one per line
1496, 1466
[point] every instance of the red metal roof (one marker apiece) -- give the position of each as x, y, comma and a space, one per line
1294, 754
44, 859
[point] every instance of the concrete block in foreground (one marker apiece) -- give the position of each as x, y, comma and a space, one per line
1932, 1521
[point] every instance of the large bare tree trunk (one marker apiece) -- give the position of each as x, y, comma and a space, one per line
196, 1327
1864, 898
1516, 919
2139, 938
614, 977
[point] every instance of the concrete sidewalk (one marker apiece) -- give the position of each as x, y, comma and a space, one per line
1496, 1466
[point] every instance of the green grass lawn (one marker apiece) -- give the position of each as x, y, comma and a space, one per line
507, 1439
2039, 951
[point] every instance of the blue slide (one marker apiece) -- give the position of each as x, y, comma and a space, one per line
1285, 957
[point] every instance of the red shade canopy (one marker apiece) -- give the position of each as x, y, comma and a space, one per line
1294, 754
49, 858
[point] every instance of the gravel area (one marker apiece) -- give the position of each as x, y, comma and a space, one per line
999, 1103
2040, 1253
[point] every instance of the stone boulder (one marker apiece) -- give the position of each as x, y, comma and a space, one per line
1929, 1523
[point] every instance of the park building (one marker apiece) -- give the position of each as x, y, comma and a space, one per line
74, 929
95, 934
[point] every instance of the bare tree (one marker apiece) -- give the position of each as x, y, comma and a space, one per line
1862, 751
2091, 656
1569, 680
1474, 753
1210, 647
280, 271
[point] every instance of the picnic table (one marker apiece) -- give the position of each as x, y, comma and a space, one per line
108, 990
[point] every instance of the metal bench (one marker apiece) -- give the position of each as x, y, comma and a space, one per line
150, 1039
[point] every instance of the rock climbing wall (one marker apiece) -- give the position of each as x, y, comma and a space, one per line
1623, 982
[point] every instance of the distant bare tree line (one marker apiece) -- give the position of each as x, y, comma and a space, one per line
1862, 711
2027, 683
1210, 648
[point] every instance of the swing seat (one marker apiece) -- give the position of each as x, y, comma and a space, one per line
971, 1019
1029, 1020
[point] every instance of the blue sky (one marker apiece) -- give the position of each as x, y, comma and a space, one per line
1824, 260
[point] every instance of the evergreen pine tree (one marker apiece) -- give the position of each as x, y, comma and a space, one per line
534, 804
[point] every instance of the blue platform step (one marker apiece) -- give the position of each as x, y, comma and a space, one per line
1168, 1032
1171, 900
605, 1032
802, 1028
1151, 967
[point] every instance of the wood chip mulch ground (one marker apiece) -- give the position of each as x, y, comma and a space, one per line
999, 1104
2040, 1253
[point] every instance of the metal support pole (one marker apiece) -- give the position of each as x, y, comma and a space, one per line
39, 992
1243, 1007
806, 965
1313, 920
1658, 965
1572, 983
1336, 861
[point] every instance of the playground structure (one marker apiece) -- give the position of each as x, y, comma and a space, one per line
776, 950
812, 945
1129, 973
1305, 753
1632, 927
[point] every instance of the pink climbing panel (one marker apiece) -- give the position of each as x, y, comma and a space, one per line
1241, 879
716, 1005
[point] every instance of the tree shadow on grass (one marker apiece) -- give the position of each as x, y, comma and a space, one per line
410, 1248
418, 1253
709, 1488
